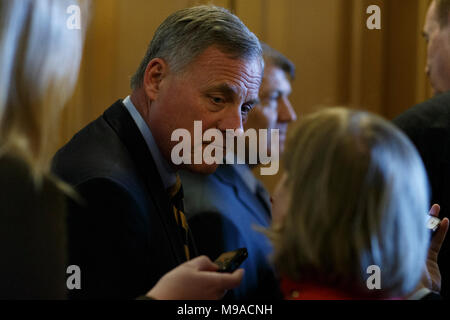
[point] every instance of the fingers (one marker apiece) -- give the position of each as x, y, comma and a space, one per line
434, 211
231, 280
203, 263
439, 236
224, 280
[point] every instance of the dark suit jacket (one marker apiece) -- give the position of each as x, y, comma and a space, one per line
428, 126
222, 213
124, 236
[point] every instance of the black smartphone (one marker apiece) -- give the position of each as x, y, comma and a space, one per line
433, 223
230, 261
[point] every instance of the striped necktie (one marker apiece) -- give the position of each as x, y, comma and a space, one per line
176, 200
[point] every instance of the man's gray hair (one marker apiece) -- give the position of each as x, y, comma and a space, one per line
276, 58
188, 32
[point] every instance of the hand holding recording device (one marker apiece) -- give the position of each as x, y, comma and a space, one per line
433, 223
230, 261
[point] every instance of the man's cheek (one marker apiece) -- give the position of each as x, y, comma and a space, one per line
270, 117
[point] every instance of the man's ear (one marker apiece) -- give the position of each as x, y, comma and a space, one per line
155, 72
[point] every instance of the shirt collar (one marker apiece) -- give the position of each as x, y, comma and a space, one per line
166, 172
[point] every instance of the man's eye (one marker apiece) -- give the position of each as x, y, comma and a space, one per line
217, 100
246, 108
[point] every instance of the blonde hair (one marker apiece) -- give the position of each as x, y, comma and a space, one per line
359, 197
40, 58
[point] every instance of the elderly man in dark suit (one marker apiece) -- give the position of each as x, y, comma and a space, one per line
428, 124
224, 208
202, 64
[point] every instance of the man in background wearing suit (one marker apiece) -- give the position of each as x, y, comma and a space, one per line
428, 124
202, 64
224, 207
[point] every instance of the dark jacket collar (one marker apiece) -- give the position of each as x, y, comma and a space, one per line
227, 174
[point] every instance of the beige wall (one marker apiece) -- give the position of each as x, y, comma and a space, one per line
339, 61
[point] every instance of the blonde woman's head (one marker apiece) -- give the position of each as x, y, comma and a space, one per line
355, 195
39, 57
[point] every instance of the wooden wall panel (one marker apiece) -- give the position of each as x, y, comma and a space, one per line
313, 43
252, 13
137, 23
367, 59
401, 62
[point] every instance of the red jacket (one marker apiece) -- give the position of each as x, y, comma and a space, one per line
313, 291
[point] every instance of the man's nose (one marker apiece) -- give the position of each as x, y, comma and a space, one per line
232, 120
286, 112
427, 70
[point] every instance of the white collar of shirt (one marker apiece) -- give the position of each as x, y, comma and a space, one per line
166, 172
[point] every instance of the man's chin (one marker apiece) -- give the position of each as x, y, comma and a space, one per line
201, 168
435, 90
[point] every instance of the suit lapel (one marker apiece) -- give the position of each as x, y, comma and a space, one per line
229, 175
123, 124
264, 197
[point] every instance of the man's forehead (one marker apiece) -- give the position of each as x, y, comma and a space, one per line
276, 78
431, 17
234, 78
233, 90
